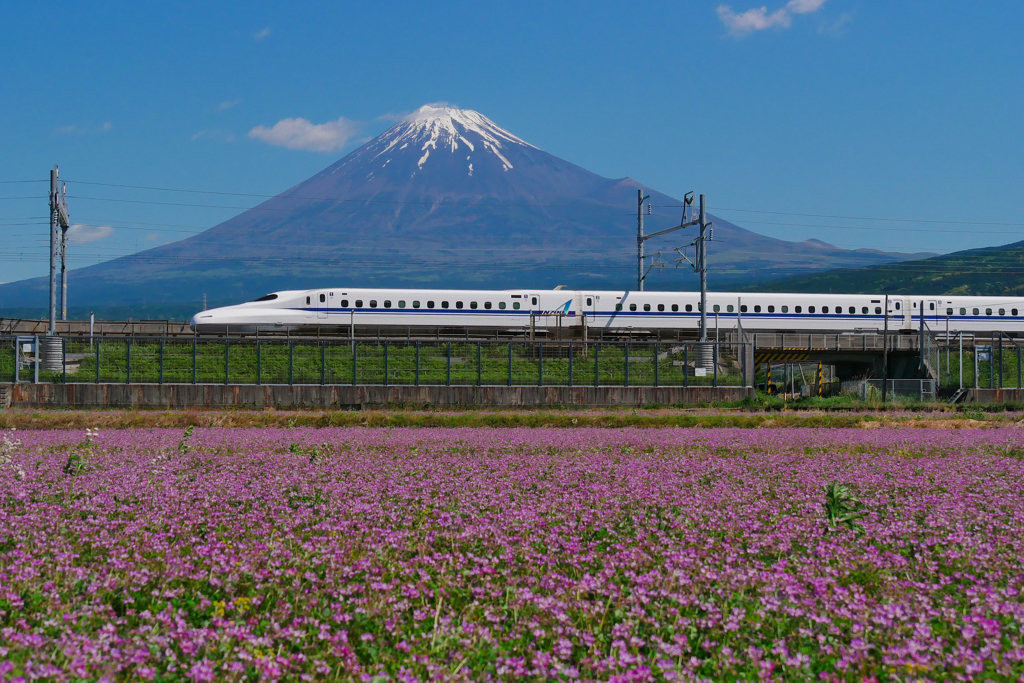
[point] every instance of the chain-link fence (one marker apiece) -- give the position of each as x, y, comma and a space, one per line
986, 361
390, 362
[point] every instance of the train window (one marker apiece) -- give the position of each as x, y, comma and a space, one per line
988, 311
387, 303
771, 309
444, 304
810, 309
864, 310
757, 309
618, 307
534, 301
661, 307
323, 298
949, 311
897, 305
1002, 311
785, 309
415, 304
373, 303
458, 304
689, 307
472, 304
401, 304
647, 307
268, 297
344, 303
931, 305
729, 308
716, 308
824, 309
487, 305
853, 309
359, 303
590, 301
632, 307
307, 300
430, 304
1013, 311
963, 311
878, 310
675, 307
515, 305
976, 311
797, 309
743, 308
501, 305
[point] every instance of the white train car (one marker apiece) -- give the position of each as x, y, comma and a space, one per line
519, 308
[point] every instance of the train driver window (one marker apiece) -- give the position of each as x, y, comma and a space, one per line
534, 301
632, 307
472, 304
618, 307
661, 307
810, 309
307, 300
975, 311
771, 309
515, 305
590, 301
824, 309
988, 311
716, 308
401, 304
878, 310
949, 311
729, 308
373, 303
647, 307
864, 310
689, 307
501, 305
757, 309
430, 304
387, 303
675, 307
444, 304
785, 309
323, 298
458, 304
344, 303
415, 304
797, 309
743, 308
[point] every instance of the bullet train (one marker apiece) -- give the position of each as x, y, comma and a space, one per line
520, 308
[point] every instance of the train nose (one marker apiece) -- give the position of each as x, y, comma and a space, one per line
204, 318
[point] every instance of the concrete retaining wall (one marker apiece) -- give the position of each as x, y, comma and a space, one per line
184, 396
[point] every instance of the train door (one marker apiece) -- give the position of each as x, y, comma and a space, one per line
590, 307
932, 308
321, 306
308, 310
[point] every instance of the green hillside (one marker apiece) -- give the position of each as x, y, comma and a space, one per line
993, 271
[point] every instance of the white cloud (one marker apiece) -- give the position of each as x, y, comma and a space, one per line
759, 18
301, 134
393, 117
261, 34
227, 104
107, 125
65, 130
80, 233
152, 237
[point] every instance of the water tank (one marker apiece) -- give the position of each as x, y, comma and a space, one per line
51, 354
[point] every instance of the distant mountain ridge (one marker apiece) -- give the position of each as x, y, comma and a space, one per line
444, 198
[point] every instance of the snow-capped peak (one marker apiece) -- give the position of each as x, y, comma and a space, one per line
434, 127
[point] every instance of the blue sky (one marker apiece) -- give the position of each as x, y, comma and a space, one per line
880, 110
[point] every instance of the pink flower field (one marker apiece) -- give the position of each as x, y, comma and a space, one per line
511, 554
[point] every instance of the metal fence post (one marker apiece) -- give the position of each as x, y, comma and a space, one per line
1000, 360
64, 359
385, 363
354, 363
597, 365
714, 382
686, 365
128, 361
510, 363
161, 380
193, 360
259, 362
291, 361
479, 374
417, 363
1018, 366
98, 361
656, 347
323, 362
626, 356
448, 366
540, 365
570, 364
227, 359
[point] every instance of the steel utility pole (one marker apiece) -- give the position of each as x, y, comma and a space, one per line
885, 350
702, 270
640, 238
58, 223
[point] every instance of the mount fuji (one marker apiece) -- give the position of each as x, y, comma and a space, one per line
444, 198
